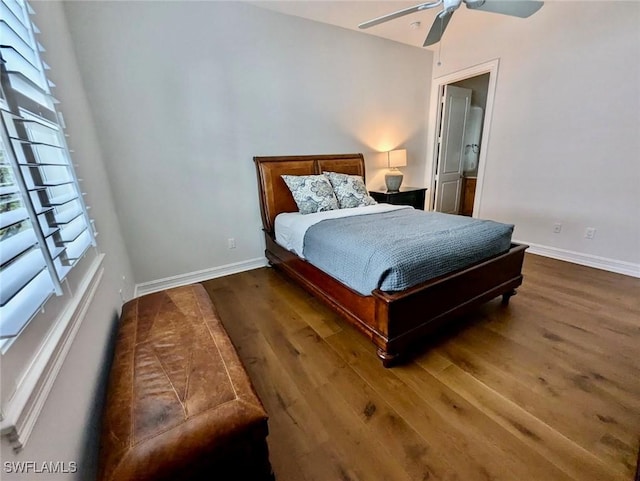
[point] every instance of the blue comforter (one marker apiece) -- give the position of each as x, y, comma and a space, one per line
392, 251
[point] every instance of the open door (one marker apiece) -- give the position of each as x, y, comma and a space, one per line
455, 111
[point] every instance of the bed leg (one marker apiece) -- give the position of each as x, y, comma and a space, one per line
388, 359
507, 295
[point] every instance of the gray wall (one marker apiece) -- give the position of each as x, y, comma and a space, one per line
186, 93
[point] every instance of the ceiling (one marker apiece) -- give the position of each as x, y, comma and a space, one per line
348, 14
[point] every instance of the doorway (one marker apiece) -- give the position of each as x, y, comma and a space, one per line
461, 110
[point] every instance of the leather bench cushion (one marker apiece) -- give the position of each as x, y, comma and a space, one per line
177, 390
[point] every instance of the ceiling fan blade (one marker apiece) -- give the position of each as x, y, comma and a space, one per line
515, 8
399, 13
437, 29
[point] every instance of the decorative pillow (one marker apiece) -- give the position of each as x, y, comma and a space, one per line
350, 190
312, 193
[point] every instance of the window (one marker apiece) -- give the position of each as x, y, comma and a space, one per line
44, 226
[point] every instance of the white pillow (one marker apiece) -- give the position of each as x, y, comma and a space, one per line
349, 190
312, 193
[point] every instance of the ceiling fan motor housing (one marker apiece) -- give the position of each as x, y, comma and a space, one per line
451, 5
474, 3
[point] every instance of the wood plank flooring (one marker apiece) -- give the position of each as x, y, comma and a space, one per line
545, 389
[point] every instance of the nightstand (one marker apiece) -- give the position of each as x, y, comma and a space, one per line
412, 196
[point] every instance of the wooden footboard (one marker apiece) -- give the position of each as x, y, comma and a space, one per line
398, 322
411, 315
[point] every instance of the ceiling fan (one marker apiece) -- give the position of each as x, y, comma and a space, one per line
515, 8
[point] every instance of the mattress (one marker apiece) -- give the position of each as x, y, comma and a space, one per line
290, 227
390, 248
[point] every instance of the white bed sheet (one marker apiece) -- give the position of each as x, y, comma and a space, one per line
290, 227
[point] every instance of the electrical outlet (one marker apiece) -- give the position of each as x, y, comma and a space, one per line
231, 243
557, 227
590, 233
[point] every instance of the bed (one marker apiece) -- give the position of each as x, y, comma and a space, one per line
396, 322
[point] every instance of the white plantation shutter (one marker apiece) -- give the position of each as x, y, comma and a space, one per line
44, 226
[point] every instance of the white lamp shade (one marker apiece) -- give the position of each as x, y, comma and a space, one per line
397, 158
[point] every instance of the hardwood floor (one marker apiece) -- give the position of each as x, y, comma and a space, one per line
545, 389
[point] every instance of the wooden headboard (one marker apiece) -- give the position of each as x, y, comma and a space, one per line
275, 196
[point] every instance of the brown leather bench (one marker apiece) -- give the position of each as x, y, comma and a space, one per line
179, 403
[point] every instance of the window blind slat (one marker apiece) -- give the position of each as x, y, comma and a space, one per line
28, 119
44, 209
68, 215
54, 175
17, 312
77, 248
16, 62
34, 108
9, 189
70, 232
9, 201
10, 38
62, 199
52, 183
57, 251
17, 244
49, 231
45, 154
41, 164
16, 275
17, 59
36, 143
10, 18
13, 217
42, 133
31, 90
16, 9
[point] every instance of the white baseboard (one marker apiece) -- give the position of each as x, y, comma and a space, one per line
197, 276
604, 263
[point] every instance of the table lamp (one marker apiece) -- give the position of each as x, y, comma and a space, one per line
393, 178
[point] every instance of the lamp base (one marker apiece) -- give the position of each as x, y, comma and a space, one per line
393, 181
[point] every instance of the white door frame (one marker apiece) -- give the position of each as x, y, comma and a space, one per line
435, 113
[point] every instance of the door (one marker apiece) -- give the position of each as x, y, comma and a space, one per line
455, 111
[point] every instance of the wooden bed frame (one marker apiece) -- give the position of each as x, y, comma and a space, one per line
395, 322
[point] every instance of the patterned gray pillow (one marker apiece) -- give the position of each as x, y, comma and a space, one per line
350, 190
312, 193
